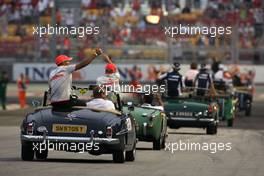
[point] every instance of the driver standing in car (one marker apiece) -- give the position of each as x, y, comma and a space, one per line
111, 77
203, 81
60, 80
173, 80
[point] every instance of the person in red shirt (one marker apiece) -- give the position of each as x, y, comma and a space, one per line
22, 83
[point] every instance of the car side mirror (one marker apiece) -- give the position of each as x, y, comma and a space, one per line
130, 106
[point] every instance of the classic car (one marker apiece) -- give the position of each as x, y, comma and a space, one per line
227, 109
151, 122
227, 102
104, 131
200, 112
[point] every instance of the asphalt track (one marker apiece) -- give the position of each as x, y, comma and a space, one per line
246, 156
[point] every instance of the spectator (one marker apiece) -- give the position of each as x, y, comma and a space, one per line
136, 5
135, 74
58, 17
42, 5
3, 85
66, 45
86, 3
44, 47
3, 19
186, 9
22, 83
191, 75
259, 19
152, 73
69, 18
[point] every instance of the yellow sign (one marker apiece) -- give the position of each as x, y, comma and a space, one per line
60, 128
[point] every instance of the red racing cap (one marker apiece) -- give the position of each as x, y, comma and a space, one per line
111, 67
62, 58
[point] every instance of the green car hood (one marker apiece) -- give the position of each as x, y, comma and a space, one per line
138, 111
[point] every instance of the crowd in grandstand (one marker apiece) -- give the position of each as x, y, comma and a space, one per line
125, 23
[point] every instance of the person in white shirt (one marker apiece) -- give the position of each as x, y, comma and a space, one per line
60, 79
111, 77
99, 100
190, 75
222, 75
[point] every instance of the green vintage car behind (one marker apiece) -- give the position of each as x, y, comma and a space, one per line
227, 109
198, 112
151, 123
226, 101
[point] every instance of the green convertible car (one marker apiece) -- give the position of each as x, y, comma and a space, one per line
199, 112
227, 102
227, 109
151, 121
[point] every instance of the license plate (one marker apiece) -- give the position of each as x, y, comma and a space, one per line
183, 114
60, 128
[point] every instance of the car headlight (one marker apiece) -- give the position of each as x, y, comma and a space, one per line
128, 124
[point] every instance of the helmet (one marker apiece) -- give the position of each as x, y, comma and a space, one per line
62, 58
111, 67
203, 66
176, 66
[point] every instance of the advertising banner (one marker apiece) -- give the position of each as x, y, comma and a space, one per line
39, 72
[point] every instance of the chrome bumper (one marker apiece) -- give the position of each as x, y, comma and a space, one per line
40, 138
192, 119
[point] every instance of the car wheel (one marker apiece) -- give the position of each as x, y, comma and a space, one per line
248, 110
42, 155
163, 142
216, 129
131, 155
211, 129
230, 122
157, 143
118, 157
27, 152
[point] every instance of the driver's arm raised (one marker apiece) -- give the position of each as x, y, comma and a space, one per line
87, 61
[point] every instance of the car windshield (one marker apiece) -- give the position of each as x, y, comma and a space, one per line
82, 93
135, 98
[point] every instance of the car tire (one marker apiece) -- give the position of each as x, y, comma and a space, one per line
131, 155
216, 127
118, 157
27, 152
248, 110
43, 155
230, 122
157, 143
163, 142
211, 129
